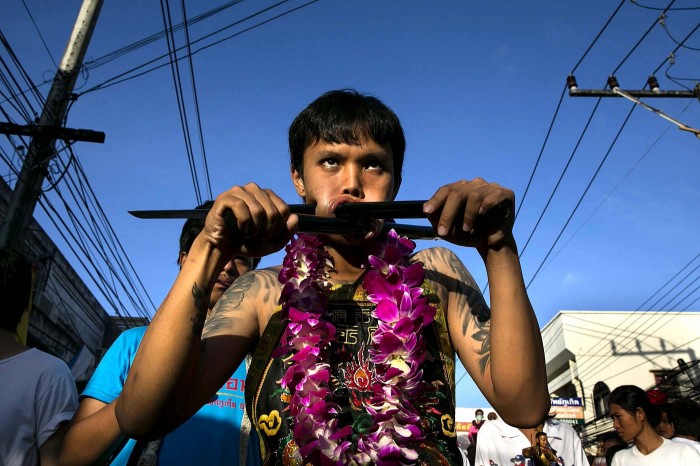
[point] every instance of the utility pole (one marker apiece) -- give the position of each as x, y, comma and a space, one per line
634, 95
42, 146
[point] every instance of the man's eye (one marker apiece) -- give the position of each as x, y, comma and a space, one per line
329, 162
374, 165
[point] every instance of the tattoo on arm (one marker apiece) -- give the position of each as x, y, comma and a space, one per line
483, 335
201, 302
470, 304
222, 314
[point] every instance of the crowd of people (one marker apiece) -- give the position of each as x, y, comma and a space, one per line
344, 354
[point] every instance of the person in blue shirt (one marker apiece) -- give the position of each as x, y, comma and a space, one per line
219, 433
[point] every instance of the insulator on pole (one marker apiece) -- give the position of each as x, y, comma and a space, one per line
653, 83
571, 82
612, 82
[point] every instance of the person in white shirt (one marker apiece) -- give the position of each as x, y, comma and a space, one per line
502, 445
38, 394
633, 419
684, 416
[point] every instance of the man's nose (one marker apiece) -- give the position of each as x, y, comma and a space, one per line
352, 181
231, 269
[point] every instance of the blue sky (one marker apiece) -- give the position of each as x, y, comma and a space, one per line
475, 84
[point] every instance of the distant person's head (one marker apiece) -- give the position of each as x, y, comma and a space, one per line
684, 416
479, 415
492, 416
237, 266
15, 288
664, 428
632, 412
346, 117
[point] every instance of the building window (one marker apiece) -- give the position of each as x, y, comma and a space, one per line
601, 399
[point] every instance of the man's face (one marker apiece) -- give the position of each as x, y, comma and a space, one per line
542, 439
338, 173
233, 269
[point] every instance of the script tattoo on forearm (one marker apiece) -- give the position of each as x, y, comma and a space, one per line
201, 302
223, 314
470, 306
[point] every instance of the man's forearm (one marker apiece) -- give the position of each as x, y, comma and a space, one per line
91, 438
517, 359
152, 401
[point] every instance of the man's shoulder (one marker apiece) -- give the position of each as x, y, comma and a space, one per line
434, 256
681, 447
560, 427
134, 332
497, 427
37, 368
130, 337
42, 361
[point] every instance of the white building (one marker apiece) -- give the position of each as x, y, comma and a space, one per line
590, 353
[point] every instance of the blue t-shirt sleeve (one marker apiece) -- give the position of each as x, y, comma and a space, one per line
107, 382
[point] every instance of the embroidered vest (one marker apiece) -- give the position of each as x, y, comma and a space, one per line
352, 378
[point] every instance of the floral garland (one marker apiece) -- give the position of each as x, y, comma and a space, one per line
397, 351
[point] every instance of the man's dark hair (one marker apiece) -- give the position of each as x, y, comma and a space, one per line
540, 434
631, 397
346, 117
684, 414
191, 229
15, 288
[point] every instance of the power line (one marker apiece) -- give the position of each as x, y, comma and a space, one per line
578, 203
638, 330
95, 63
175, 72
619, 183
640, 325
636, 3
670, 36
196, 101
624, 59
678, 46
600, 33
556, 113
38, 31
120, 78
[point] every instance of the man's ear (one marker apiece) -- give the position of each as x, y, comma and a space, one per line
181, 258
298, 181
640, 415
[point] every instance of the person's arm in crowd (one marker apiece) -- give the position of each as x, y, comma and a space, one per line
50, 450
177, 368
92, 434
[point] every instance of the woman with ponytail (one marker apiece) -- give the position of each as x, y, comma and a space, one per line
633, 419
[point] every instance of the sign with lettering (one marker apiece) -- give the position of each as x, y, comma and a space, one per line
568, 410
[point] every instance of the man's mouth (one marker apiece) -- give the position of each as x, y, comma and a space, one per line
224, 282
340, 201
